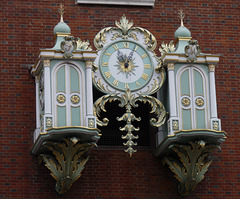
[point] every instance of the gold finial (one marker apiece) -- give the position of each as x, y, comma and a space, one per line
61, 11
181, 16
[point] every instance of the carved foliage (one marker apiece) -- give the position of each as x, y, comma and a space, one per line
66, 161
191, 165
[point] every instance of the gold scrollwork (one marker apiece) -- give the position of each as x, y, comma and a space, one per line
186, 101
61, 98
75, 99
100, 86
125, 30
199, 102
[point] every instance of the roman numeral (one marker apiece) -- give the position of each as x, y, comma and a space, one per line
115, 82
144, 55
135, 48
147, 66
138, 84
144, 76
107, 54
125, 44
108, 74
115, 47
105, 64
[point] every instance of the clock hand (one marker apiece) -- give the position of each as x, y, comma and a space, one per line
130, 56
120, 56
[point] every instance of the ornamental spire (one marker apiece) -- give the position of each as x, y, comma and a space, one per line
61, 11
181, 16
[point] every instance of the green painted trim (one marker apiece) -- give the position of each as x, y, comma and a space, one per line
185, 83
186, 119
75, 116
198, 83
74, 78
61, 116
61, 85
200, 114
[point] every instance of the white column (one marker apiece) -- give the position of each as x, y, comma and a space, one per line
47, 87
172, 90
89, 91
38, 123
213, 100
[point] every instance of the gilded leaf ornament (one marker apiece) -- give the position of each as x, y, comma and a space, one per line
83, 45
191, 165
66, 161
166, 48
124, 25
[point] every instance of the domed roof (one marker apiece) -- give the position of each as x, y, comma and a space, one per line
182, 31
62, 27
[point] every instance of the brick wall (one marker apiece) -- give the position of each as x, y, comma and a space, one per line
26, 26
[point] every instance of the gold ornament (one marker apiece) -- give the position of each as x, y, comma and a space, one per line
61, 98
185, 101
199, 102
49, 122
75, 99
175, 125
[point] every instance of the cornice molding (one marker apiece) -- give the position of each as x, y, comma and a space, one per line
119, 2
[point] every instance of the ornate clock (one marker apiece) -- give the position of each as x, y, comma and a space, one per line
128, 70
126, 65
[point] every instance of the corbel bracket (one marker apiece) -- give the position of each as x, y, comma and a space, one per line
190, 164
187, 153
66, 160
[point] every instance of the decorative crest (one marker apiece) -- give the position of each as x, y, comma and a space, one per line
192, 50
68, 46
181, 16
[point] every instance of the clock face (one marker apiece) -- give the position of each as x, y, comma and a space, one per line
126, 65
